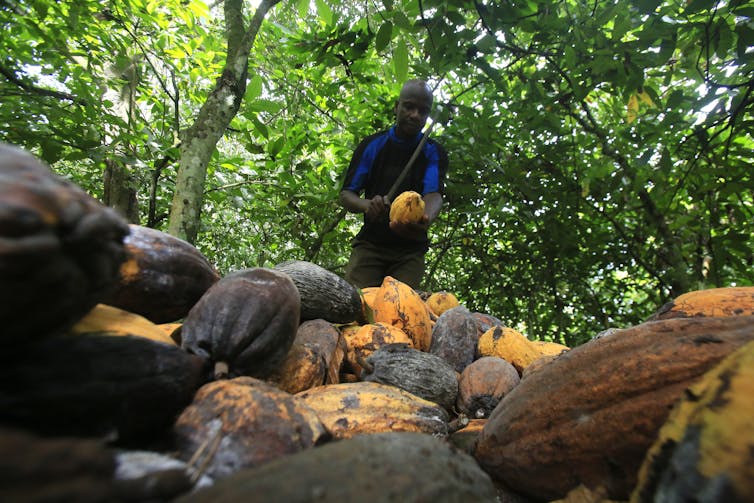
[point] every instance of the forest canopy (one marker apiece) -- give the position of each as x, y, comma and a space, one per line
600, 151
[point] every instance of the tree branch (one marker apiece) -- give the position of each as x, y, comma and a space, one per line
39, 91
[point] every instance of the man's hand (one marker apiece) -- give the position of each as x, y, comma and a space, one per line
377, 206
411, 231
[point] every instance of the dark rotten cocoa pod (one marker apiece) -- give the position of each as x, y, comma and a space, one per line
381, 467
60, 249
245, 323
35, 469
421, 374
589, 416
93, 385
324, 294
454, 337
162, 277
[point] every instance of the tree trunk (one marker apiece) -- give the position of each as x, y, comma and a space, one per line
200, 140
120, 191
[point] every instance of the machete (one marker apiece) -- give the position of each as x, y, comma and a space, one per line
407, 168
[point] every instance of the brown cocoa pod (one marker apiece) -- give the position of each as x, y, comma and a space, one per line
245, 323
324, 294
245, 422
36, 468
377, 468
60, 249
590, 415
162, 277
128, 387
314, 359
482, 385
454, 337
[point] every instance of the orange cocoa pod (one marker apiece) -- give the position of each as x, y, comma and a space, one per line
439, 302
407, 208
365, 340
730, 301
397, 304
245, 422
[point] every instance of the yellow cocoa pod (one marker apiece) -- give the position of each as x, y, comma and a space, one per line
705, 446
397, 304
439, 302
508, 344
109, 320
407, 208
547, 348
349, 409
368, 293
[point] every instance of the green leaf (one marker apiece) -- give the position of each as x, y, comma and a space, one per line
253, 89
302, 7
324, 12
647, 6
384, 35
400, 60
259, 126
199, 9
745, 11
699, 5
276, 146
400, 20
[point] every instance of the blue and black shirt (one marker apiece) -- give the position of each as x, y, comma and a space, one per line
378, 161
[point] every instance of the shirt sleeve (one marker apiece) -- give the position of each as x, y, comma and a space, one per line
437, 167
362, 161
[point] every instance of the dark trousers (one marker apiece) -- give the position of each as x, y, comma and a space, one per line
370, 263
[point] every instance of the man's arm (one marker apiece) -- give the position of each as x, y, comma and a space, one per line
373, 208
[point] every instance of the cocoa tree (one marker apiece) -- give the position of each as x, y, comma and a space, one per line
198, 142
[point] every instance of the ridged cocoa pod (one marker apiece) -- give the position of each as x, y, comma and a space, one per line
314, 359
324, 294
96, 385
397, 304
407, 208
349, 409
245, 323
245, 422
590, 415
454, 337
422, 374
379, 468
163, 276
60, 249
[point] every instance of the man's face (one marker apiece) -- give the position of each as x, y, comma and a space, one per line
412, 110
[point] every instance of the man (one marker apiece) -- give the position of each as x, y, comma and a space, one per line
382, 248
